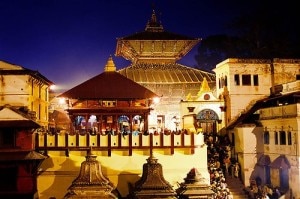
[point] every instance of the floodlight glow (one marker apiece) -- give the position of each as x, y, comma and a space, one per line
156, 100
52, 87
62, 100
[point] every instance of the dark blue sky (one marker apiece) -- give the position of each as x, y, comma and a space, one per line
69, 41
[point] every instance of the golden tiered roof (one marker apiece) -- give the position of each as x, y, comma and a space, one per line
165, 73
154, 43
153, 53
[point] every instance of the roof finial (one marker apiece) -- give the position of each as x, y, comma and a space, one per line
204, 86
153, 25
110, 65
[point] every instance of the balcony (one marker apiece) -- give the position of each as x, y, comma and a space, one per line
81, 142
281, 111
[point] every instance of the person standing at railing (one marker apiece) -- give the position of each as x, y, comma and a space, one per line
227, 163
236, 170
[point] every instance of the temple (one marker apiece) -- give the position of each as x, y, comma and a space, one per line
155, 107
154, 53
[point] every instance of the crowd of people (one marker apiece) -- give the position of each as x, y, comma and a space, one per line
221, 164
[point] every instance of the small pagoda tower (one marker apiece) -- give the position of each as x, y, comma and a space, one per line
194, 186
152, 183
91, 183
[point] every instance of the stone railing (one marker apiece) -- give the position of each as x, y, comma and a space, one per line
291, 110
65, 142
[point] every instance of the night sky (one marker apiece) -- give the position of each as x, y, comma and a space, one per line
69, 41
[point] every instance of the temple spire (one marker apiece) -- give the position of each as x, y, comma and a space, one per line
153, 25
110, 65
204, 87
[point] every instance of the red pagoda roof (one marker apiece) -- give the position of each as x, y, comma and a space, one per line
109, 85
12, 117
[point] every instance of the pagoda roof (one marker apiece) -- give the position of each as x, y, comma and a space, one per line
149, 35
18, 155
109, 85
154, 43
12, 69
166, 73
155, 31
12, 117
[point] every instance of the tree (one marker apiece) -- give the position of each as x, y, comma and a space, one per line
270, 31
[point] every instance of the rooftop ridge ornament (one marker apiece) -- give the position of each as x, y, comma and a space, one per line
204, 87
110, 65
153, 25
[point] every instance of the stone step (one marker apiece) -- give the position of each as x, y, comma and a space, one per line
240, 196
236, 187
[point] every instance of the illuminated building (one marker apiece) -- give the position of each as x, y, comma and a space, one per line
154, 53
192, 101
22, 87
109, 114
23, 110
262, 110
157, 71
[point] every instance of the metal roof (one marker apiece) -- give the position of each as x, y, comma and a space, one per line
109, 85
146, 35
165, 73
11, 117
11, 69
21, 155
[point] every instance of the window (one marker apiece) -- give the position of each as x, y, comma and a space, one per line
138, 123
7, 137
40, 92
289, 138
222, 82
246, 80
10, 176
32, 87
124, 124
266, 137
46, 94
276, 137
237, 79
255, 80
39, 111
109, 103
298, 77
282, 137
